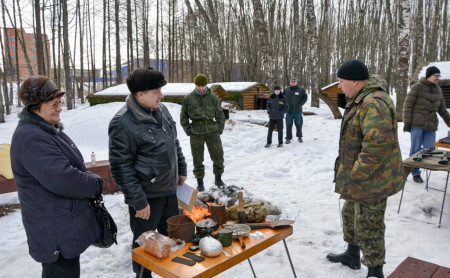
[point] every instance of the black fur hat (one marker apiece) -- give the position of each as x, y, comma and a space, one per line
143, 79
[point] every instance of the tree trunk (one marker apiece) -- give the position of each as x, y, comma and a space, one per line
38, 33
313, 64
118, 59
331, 103
403, 55
260, 26
66, 55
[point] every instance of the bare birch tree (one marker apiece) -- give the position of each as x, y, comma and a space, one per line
403, 55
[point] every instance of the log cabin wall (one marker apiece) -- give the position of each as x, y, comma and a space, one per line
250, 95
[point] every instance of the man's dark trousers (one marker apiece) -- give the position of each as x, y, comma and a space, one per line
279, 124
160, 210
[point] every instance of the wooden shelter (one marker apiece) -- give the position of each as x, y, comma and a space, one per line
335, 94
444, 82
248, 95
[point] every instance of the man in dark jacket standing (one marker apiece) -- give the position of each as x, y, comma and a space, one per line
369, 167
145, 156
276, 108
419, 113
203, 121
296, 97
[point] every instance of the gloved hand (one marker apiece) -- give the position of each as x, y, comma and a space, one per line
407, 128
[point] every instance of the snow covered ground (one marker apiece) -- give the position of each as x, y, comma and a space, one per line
297, 178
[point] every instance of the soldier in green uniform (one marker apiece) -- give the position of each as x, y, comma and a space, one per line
369, 167
203, 120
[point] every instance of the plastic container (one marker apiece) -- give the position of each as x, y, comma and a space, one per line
93, 160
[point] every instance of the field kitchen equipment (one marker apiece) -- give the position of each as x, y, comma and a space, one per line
240, 231
271, 224
207, 223
210, 247
181, 227
241, 211
218, 212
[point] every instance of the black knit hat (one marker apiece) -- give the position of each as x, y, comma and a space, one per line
276, 88
353, 70
143, 79
432, 70
37, 89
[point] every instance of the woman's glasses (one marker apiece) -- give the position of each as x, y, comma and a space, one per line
55, 105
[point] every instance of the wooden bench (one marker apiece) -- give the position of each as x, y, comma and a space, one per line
101, 168
412, 267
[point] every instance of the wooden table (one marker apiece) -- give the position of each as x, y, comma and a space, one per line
442, 145
412, 267
213, 266
429, 164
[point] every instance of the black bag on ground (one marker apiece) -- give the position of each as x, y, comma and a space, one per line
108, 228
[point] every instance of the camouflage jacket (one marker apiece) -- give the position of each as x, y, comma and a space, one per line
369, 167
421, 104
204, 112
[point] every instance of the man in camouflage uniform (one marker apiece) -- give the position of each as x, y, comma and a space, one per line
203, 120
369, 167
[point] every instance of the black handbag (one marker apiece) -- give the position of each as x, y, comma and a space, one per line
108, 228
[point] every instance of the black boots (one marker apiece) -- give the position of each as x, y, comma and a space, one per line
200, 186
375, 272
219, 181
350, 258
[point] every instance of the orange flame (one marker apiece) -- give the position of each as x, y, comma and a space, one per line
197, 213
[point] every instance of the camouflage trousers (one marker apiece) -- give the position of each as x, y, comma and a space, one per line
215, 150
363, 225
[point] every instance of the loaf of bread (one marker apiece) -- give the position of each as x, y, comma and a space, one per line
156, 244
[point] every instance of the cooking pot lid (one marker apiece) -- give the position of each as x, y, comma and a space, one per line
207, 223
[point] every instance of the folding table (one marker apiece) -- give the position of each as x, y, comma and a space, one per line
213, 266
429, 164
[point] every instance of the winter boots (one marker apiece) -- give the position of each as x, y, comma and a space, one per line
350, 258
417, 179
375, 272
267, 145
219, 181
200, 185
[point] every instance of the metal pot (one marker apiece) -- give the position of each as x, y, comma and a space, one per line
207, 223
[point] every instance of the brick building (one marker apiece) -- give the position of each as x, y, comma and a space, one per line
17, 54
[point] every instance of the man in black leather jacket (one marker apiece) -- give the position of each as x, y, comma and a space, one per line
145, 156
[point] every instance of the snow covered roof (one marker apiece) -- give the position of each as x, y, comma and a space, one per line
177, 89
331, 85
444, 67
236, 86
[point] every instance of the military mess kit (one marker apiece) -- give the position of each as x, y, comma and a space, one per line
208, 236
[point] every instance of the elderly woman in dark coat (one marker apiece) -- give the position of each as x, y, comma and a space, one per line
52, 182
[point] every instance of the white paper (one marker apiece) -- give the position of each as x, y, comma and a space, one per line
186, 196
184, 193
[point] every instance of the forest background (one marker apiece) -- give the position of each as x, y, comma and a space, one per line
269, 40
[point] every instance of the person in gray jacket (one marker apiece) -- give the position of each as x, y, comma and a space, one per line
276, 108
423, 101
145, 156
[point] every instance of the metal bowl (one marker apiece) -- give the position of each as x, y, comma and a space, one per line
239, 230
